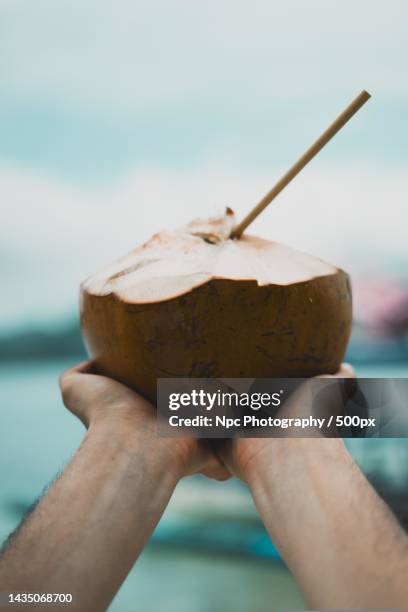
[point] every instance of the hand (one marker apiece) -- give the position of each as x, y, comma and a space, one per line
244, 456
99, 401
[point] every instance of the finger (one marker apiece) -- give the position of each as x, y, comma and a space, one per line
220, 477
224, 453
346, 371
68, 378
208, 462
218, 472
85, 367
216, 464
69, 382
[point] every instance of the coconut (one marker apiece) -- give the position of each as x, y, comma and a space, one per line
196, 303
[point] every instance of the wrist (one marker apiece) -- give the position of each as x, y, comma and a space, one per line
137, 439
280, 458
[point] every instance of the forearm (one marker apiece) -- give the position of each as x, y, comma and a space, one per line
339, 539
89, 529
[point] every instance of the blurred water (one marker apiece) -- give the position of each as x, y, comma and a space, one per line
384, 461
37, 435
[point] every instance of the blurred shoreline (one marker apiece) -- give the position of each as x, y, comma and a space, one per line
65, 340
43, 343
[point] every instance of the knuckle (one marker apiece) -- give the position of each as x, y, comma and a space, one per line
223, 477
65, 383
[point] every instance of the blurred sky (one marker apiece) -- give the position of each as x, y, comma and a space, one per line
120, 118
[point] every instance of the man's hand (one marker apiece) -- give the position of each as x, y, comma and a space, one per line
244, 456
338, 538
91, 525
100, 402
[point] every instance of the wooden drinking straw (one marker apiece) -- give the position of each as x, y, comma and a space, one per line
301, 163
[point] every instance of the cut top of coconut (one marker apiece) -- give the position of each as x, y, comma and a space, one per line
173, 263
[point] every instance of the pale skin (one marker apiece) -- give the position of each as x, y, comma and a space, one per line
340, 541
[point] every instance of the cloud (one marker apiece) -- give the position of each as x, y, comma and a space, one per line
54, 234
90, 88
138, 55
